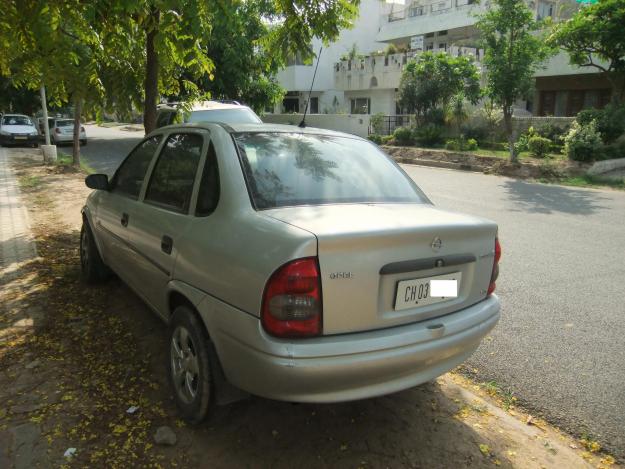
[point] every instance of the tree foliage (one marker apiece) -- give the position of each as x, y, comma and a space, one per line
596, 34
432, 80
514, 50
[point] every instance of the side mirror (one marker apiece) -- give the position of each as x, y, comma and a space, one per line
97, 181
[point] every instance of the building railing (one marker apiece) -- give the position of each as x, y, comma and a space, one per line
417, 9
388, 124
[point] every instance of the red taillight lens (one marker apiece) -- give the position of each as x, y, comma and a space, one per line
82, 129
57, 130
292, 305
495, 272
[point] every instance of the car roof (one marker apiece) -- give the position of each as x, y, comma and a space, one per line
264, 128
206, 106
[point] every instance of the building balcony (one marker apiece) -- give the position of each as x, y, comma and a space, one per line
423, 18
384, 71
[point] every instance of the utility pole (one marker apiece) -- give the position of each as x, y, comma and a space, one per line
49, 151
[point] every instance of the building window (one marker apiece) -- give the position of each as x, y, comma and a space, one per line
373, 83
360, 105
415, 10
442, 33
442, 46
314, 106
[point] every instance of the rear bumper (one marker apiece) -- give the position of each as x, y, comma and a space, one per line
68, 137
346, 367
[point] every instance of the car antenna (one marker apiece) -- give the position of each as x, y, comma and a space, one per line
303, 123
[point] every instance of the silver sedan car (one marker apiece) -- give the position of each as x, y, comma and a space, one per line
296, 264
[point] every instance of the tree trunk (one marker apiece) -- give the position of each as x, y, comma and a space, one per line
151, 75
76, 149
507, 119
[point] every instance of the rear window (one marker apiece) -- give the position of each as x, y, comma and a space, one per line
66, 123
227, 116
289, 169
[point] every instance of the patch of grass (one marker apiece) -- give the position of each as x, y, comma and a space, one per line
64, 159
506, 396
112, 124
29, 182
587, 181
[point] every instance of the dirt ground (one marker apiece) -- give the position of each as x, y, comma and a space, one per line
534, 168
82, 356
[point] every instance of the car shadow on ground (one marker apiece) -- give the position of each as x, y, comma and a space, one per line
543, 198
67, 376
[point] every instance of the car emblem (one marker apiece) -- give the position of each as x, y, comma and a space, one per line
436, 244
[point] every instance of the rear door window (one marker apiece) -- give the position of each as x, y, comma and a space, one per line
129, 177
171, 183
208, 195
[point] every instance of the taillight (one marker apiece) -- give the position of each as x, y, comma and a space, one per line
292, 305
495, 272
82, 129
57, 130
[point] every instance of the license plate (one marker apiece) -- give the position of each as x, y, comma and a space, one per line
426, 291
17, 137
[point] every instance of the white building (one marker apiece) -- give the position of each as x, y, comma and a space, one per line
367, 84
297, 77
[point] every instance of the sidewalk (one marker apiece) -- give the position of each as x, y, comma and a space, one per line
16, 243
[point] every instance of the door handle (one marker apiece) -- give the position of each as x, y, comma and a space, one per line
166, 244
124, 220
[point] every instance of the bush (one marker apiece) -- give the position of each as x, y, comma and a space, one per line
435, 116
403, 136
616, 149
475, 131
610, 121
460, 144
429, 134
377, 123
452, 145
471, 144
583, 142
539, 146
553, 132
500, 146
386, 139
375, 138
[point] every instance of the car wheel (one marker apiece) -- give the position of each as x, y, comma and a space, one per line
190, 365
92, 266
35, 145
83, 143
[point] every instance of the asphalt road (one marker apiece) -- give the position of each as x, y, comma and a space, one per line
560, 345
107, 147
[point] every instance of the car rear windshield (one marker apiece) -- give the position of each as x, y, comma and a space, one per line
16, 120
66, 123
289, 169
227, 116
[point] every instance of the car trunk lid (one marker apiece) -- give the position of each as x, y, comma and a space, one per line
366, 250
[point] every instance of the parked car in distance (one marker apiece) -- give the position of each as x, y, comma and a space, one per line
18, 129
227, 112
62, 131
300, 265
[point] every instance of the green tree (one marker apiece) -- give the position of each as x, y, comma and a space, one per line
513, 52
432, 80
595, 34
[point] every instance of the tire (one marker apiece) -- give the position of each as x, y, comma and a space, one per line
83, 143
190, 365
35, 145
92, 266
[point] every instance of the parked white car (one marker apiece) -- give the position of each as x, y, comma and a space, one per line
230, 112
62, 131
18, 129
296, 264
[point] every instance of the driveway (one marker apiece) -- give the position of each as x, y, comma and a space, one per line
560, 343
